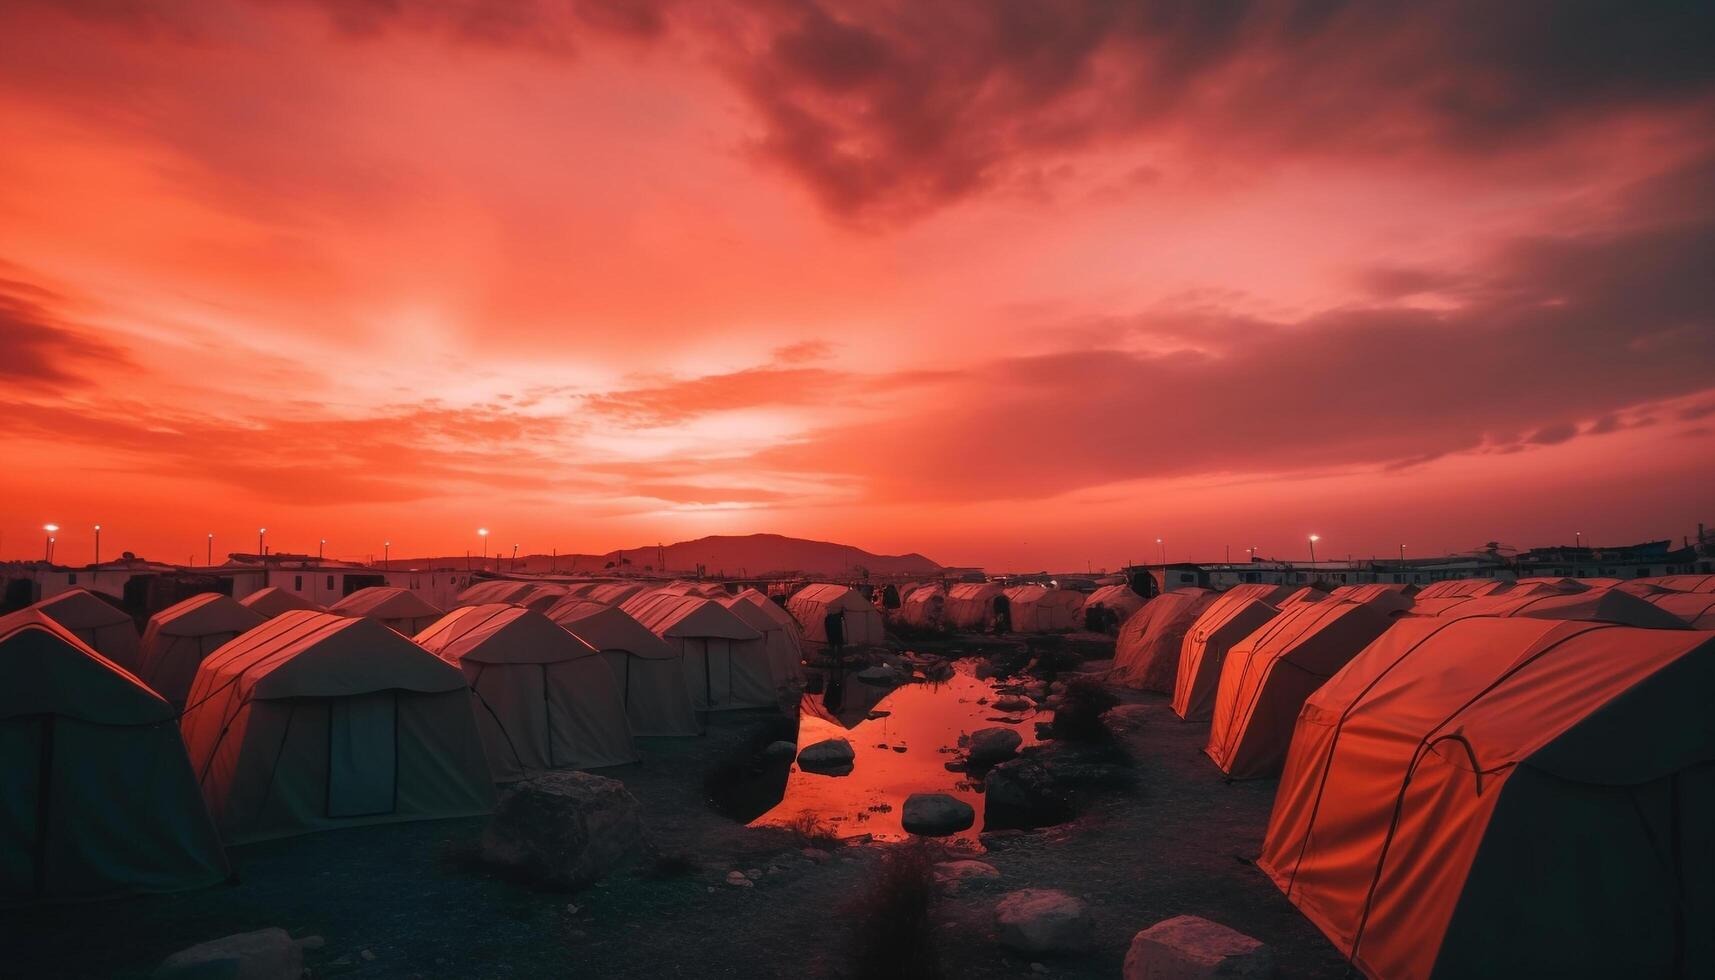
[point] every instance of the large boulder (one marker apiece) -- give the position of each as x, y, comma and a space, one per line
989, 746
830, 757
266, 954
1044, 920
1190, 948
567, 828
936, 815
1023, 793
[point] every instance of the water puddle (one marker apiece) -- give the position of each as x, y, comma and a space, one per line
903, 738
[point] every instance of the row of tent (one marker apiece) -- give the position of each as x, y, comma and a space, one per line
1020, 609
129, 760
1481, 778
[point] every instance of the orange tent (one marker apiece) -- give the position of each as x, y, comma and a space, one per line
1391, 598
1146, 652
1507, 797
1683, 583
1268, 675
1696, 609
1593, 605
1461, 587
1227, 621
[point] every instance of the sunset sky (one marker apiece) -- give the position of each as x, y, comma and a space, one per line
1006, 282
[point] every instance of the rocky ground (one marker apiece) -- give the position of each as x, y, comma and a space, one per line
715, 899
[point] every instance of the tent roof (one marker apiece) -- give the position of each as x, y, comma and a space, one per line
609, 628
501, 633
614, 593
495, 590
1594, 605
310, 654
666, 614
205, 614
384, 602
1684, 583
768, 606
1111, 593
80, 609
273, 600
1697, 609
50, 671
836, 596
974, 590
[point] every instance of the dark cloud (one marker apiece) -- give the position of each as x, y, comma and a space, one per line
1551, 333
42, 350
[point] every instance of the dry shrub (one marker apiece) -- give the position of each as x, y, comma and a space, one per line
812, 832
1079, 716
893, 928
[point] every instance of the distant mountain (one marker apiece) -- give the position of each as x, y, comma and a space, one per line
746, 555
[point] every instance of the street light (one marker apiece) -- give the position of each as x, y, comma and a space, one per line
1313, 539
1402, 554
320, 548
97, 572
1163, 547
261, 545
48, 549
211, 549
515, 558
1577, 539
386, 550
482, 532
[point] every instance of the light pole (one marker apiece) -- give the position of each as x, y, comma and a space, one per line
386, 553
321, 548
211, 549
97, 572
1163, 548
48, 548
515, 559
1577, 539
261, 544
482, 532
1313, 539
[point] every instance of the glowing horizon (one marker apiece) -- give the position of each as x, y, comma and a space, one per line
636, 272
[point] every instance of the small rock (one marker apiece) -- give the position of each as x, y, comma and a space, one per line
367, 955
829, 757
753, 873
780, 750
1013, 702
1187, 947
1058, 687
954, 875
1126, 718
738, 880
879, 674
1044, 920
936, 814
266, 954
992, 745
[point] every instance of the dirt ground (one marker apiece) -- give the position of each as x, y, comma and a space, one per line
406, 901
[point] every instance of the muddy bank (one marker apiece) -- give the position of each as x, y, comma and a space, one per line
404, 900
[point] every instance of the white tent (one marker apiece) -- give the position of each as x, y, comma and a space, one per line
400, 610
96, 795
725, 663
813, 604
545, 699
272, 600
314, 721
1037, 609
1591, 605
181, 635
974, 606
614, 593
780, 635
102, 626
926, 607
494, 590
651, 681
1386, 598
1118, 602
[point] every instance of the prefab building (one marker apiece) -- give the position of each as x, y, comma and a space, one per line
102, 626
645, 668
180, 636
400, 610
314, 721
725, 665
1036, 609
812, 606
97, 798
544, 698
1268, 674
1506, 797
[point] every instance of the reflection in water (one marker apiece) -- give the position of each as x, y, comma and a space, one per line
898, 735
